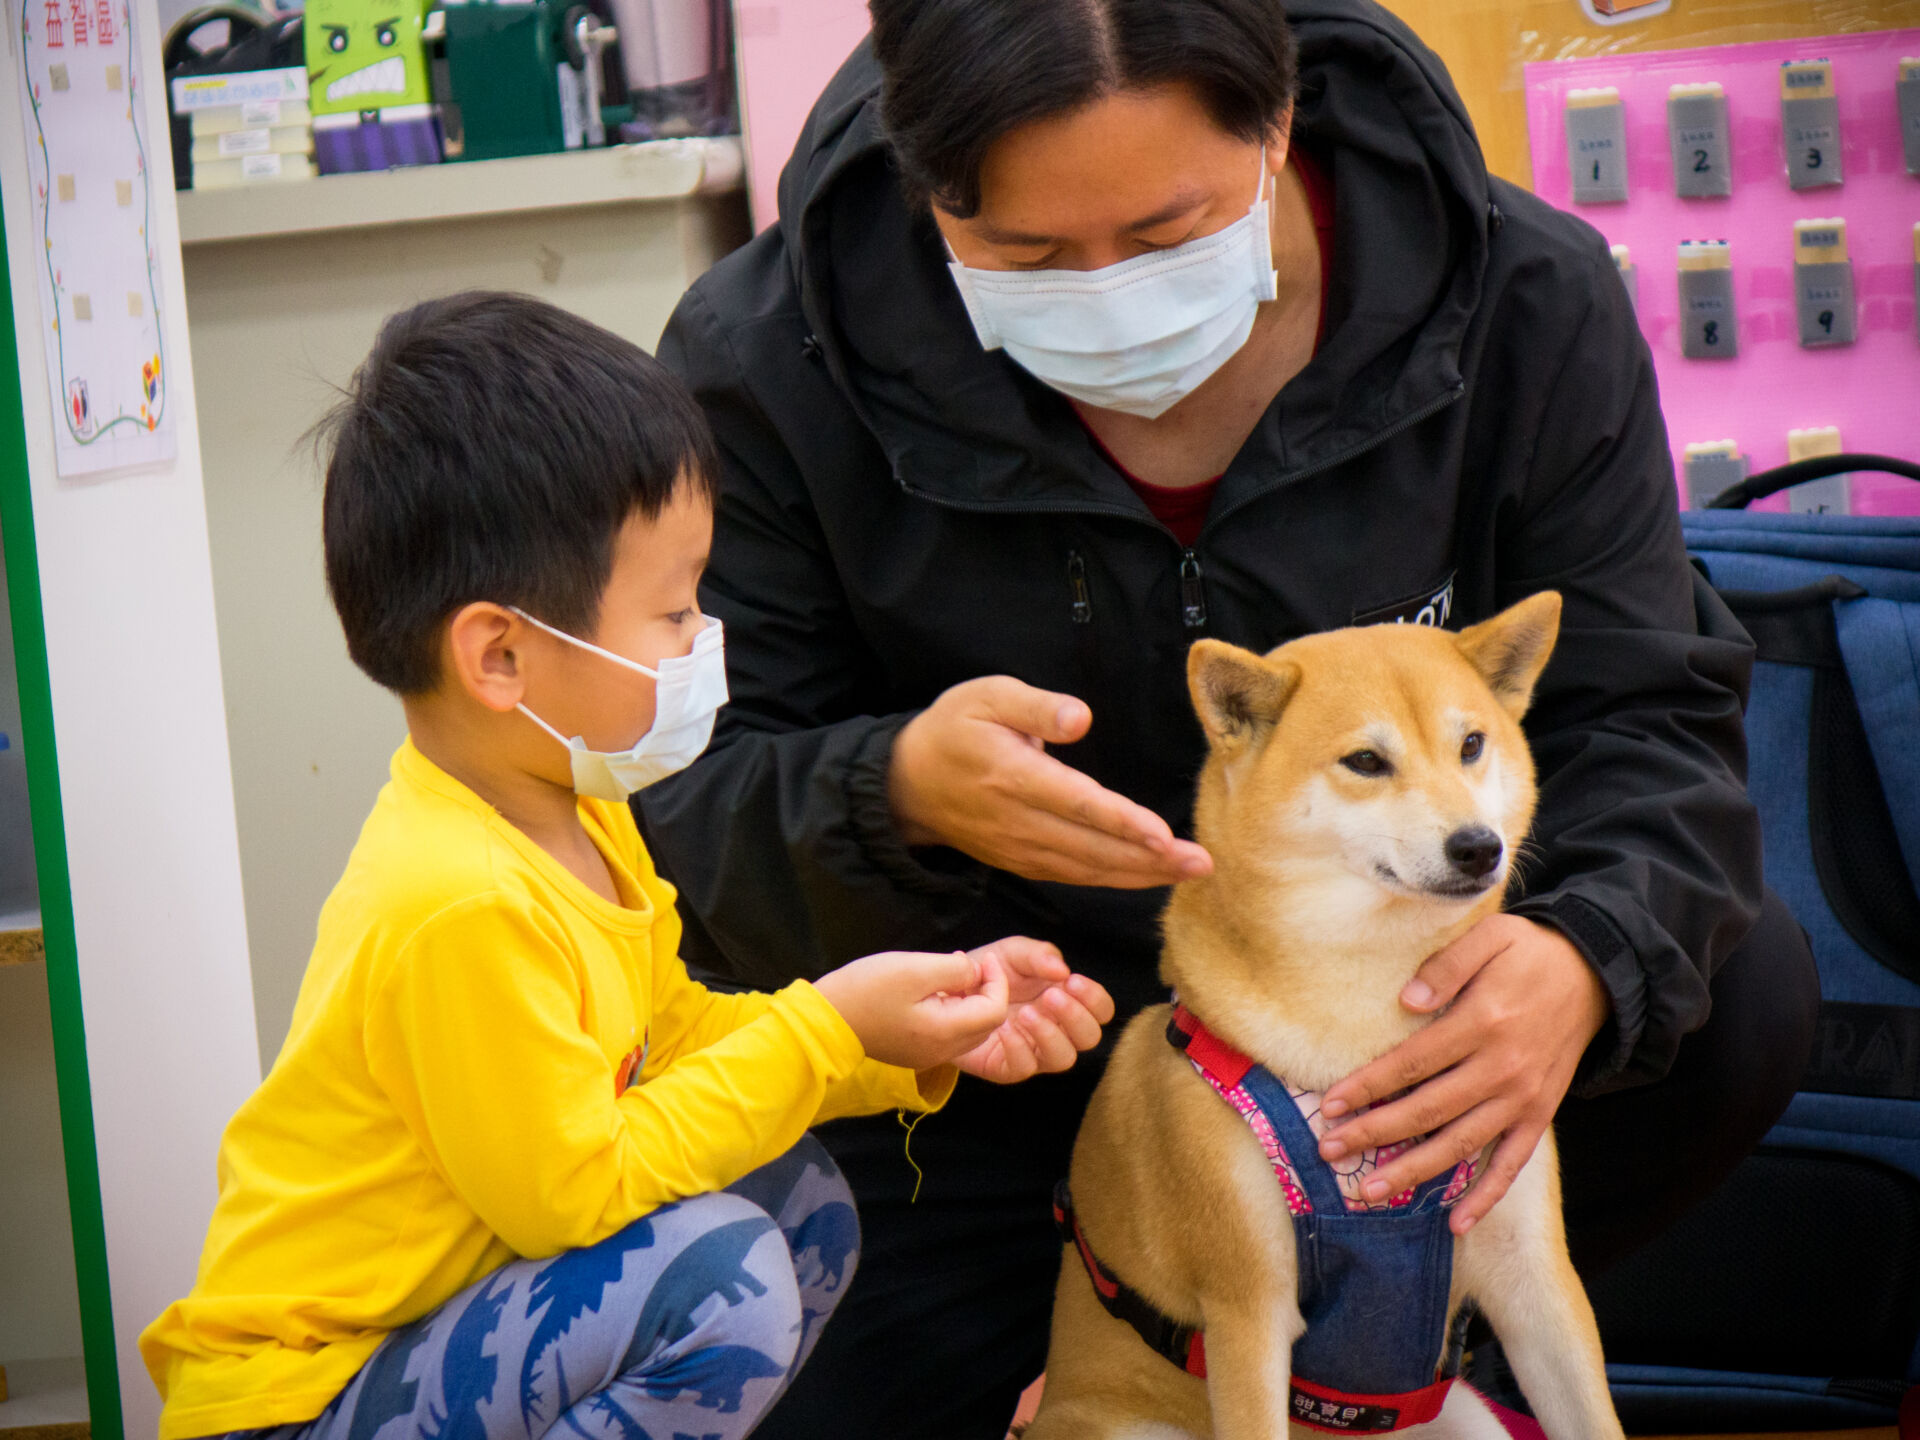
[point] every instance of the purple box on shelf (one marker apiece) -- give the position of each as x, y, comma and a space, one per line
377, 139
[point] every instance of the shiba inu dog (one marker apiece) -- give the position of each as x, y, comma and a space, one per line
1363, 799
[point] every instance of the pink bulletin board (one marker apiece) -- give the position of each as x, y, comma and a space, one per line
787, 51
1870, 389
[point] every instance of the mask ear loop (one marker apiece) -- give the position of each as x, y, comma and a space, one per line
540, 624
522, 708
1266, 278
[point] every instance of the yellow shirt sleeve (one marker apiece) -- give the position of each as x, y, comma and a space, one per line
688, 1017
475, 1034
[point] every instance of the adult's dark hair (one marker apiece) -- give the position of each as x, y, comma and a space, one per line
490, 448
959, 74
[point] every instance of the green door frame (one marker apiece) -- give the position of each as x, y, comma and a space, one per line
56, 891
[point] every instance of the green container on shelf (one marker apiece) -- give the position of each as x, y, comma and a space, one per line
520, 84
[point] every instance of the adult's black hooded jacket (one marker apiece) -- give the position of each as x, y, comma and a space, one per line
901, 511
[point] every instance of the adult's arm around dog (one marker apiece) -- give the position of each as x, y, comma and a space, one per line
1646, 848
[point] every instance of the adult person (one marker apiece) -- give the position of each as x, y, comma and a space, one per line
1094, 326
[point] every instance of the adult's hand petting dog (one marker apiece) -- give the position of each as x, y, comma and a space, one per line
971, 771
1521, 1005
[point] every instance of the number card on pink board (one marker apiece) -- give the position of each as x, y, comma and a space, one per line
1783, 375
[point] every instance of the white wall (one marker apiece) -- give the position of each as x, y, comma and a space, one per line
279, 323
147, 793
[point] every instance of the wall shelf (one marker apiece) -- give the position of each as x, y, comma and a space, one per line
618, 174
22, 942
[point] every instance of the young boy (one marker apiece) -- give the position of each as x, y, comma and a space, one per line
513, 1168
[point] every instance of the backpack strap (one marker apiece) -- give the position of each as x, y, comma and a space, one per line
1880, 643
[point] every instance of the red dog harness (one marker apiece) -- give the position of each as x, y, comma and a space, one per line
1359, 1260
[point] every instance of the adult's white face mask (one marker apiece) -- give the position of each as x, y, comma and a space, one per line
688, 692
1139, 336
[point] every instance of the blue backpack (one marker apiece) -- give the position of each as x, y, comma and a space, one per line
1791, 1298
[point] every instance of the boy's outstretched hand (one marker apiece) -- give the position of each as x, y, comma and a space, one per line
1003, 1012
1053, 1014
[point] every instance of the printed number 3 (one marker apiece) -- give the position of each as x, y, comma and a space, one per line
1813, 159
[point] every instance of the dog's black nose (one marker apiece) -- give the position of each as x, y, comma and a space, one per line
1474, 850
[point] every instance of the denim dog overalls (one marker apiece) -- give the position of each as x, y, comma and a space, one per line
1373, 1276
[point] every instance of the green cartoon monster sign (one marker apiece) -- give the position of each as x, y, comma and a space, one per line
365, 55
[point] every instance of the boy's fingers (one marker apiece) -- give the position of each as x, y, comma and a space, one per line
958, 1017
1024, 956
959, 973
1018, 1060
1073, 1018
1093, 995
1052, 1049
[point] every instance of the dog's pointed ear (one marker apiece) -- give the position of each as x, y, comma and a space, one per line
1512, 648
1239, 695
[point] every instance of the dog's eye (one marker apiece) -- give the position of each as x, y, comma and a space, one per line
1366, 762
1471, 747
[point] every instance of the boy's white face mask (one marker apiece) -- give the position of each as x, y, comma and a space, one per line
1139, 336
688, 692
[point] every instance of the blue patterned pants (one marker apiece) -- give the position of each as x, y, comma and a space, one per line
686, 1325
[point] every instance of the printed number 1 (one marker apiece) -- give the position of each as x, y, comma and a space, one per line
1700, 166
1596, 169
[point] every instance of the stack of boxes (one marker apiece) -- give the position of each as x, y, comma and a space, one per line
249, 128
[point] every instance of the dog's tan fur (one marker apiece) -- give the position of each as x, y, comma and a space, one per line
1294, 951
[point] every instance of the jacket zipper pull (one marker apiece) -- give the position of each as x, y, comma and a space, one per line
1077, 578
1193, 595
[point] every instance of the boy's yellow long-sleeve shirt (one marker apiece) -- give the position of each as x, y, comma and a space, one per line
487, 1061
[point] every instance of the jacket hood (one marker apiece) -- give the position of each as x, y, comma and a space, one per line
969, 427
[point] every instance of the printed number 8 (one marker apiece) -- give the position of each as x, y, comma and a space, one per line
1711, 335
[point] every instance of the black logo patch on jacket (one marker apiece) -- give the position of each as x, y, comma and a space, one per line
1433, 606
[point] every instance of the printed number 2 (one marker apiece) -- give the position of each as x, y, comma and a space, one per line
1700, 165
1813, 159
1711, 335
1826, 321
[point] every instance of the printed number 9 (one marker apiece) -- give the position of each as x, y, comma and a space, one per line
1826, 321
1711, 335
1813, 159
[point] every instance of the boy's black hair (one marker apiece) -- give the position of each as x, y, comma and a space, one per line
490, 448
959, 74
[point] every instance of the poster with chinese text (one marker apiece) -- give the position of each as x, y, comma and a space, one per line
91, 167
